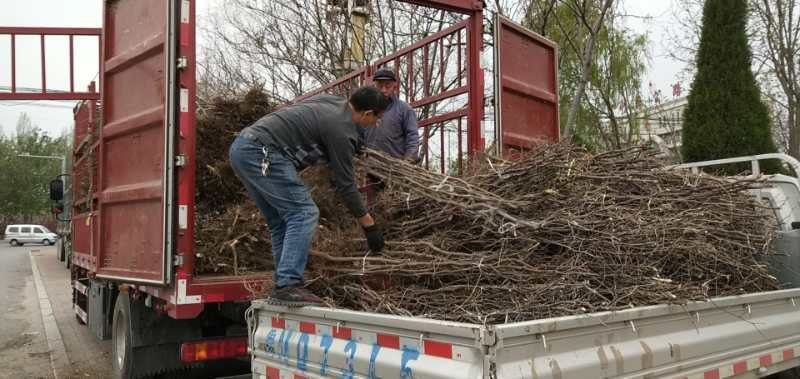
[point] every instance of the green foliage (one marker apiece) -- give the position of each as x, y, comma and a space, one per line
606, 117
615, 82
725, 116
24, 194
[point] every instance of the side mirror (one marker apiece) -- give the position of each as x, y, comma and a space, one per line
56, 190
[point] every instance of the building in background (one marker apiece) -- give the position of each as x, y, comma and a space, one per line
657, 121
661, 123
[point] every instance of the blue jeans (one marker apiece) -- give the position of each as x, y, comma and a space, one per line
284, 201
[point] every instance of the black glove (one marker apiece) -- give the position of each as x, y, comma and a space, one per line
374, 237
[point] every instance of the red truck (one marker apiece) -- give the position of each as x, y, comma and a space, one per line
131, 244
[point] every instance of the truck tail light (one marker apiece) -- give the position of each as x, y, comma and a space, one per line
213, 349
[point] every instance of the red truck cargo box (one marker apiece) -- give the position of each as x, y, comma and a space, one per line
140, 229
136, 142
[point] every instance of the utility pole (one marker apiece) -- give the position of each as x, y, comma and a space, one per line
358, 13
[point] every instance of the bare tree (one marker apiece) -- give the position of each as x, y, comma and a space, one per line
292, 46
615, 80
777, 47
584, 12
601, 66
683, 34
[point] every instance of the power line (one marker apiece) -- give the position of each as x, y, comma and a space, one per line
36, 104
32, 89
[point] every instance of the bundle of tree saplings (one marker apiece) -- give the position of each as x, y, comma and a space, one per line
558, 231
230, 233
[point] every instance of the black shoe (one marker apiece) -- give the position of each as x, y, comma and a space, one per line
293, 297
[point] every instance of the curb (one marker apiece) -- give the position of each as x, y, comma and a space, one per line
58, 353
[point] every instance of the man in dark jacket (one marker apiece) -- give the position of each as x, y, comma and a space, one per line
267, 157
396, 134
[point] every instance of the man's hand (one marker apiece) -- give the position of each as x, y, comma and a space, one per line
374, 237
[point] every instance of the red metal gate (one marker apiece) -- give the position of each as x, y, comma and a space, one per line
526, 86
43, 93
136, 167
442, 80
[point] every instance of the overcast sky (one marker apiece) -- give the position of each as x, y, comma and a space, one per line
651, 17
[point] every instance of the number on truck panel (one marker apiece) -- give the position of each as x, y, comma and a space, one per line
286, 336
408, 355
350, 348
325, 343
302, 352
270, 347
372, 358
280, 345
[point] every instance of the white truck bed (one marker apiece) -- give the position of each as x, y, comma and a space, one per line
749, 335
746, 336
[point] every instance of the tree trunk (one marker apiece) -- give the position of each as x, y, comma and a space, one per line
794, 128
586, 63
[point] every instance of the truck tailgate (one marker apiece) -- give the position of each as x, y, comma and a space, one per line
719, 338
314, 342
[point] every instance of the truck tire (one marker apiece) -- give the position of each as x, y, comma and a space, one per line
121, 340
130, 356
14, 243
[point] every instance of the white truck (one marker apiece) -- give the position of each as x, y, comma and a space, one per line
748, 336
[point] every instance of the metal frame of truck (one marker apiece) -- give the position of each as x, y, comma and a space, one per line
745, 336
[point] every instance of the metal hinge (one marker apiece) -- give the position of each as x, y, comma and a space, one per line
183, 62
180, 160
177, 260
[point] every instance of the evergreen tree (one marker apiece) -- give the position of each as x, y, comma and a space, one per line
725, 116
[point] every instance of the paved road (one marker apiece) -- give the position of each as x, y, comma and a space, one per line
23, 347
24, 351
88, 356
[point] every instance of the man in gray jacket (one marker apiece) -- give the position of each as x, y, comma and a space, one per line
267, 157
396, 134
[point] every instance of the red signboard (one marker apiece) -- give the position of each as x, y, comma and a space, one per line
526, 85
136, 141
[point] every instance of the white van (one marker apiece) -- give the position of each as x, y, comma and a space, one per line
18, 235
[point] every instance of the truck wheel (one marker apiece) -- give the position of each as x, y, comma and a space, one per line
46, 242
14, 243
121, 343
144, 360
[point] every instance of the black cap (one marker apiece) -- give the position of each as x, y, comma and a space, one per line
384, 74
